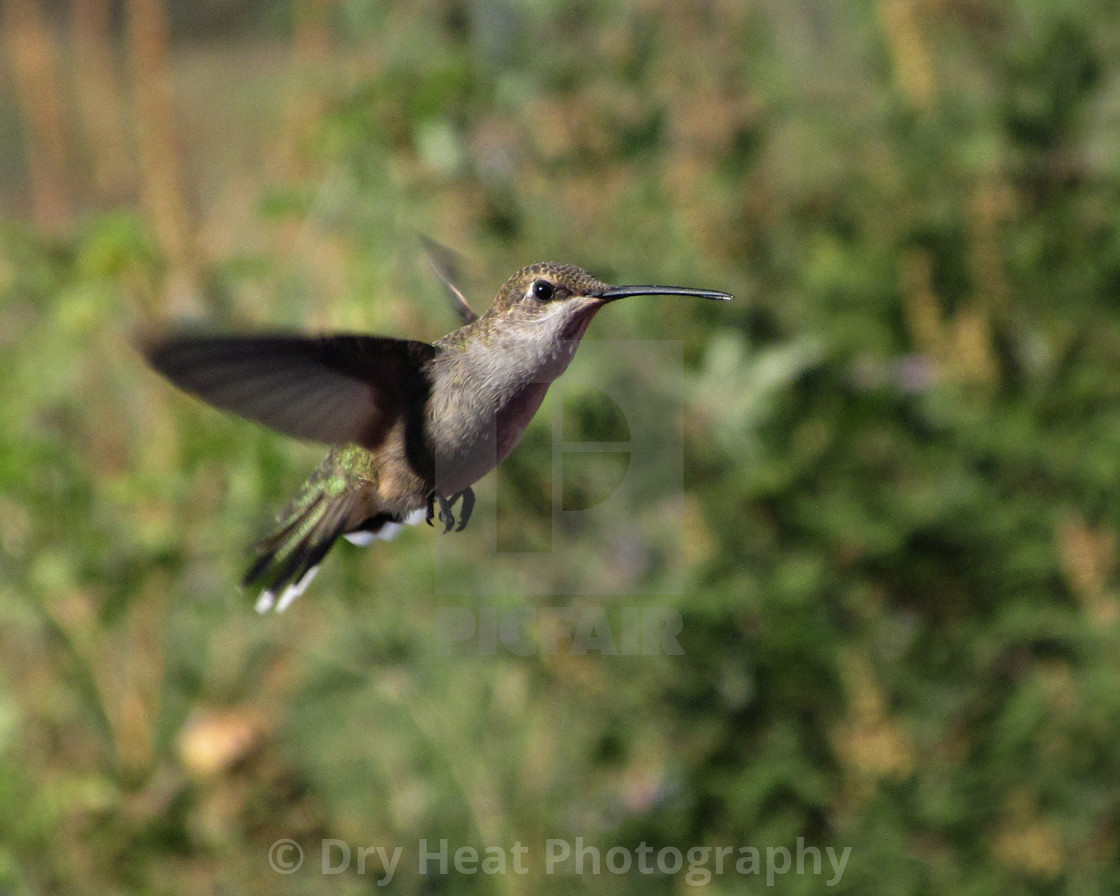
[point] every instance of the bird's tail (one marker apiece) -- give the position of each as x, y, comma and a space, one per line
336, 501
289, 557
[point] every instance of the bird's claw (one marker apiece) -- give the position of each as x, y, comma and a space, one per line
466, 509
446, 514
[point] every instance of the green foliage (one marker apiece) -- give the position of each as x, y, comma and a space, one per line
882, 497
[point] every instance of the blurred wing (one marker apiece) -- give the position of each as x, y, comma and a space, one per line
333, 389
446, 262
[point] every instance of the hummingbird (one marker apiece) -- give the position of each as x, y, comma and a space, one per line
412, 425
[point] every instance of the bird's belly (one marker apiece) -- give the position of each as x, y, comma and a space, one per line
487, 443
513, 419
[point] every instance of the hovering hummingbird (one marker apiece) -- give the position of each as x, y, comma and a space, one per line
412, 425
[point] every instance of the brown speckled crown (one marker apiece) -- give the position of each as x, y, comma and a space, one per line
575, 281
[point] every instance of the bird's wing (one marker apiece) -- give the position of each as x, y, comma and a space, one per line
334, 389
446, 263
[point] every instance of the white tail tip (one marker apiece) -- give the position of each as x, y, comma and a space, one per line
267, 601
295, 590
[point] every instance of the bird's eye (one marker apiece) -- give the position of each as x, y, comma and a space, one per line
543, 290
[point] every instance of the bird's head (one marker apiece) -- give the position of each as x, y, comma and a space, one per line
568, 297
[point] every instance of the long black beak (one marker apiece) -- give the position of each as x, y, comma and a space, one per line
622, 292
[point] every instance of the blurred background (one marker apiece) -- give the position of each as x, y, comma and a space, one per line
892, 537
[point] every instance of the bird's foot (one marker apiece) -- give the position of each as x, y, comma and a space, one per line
444, 512
446, 509
466, 509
